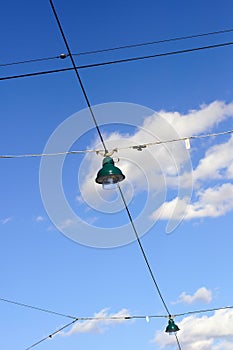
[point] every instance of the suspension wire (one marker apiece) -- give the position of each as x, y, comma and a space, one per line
121, 193
131, 59
62, 56
113, 317
138, 147
178, 343
88, 103
51, 335
153, 42
146, 259
169, 53
36, 308
29, 61
34, 74
77, 74
128, 317
142, 250
101, 138
203, 311
120, 318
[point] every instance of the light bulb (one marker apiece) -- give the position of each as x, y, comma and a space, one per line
109, 184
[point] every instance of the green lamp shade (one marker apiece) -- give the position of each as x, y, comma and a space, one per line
109, 175
171, 327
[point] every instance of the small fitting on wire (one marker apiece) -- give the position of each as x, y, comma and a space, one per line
171, 317
139, 147
109, 154
63, 56
106, 153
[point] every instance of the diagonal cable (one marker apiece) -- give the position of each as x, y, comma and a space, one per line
77, 74
121, 193
36, 308
142, 250
178, 343
51, 334
146, 259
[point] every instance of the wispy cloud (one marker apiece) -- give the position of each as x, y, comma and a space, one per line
100, 324
212, 202
202, 294
5, 220
200, 120
40, 218
217, 163
211, 199
205, 332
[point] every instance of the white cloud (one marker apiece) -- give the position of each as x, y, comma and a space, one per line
100, 323
202, 294
212, 202
198, 121
202, 333
5, 220
39, 218
217, 163
166, 166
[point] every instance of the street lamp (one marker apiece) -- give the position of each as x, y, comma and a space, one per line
171, 328
109, 175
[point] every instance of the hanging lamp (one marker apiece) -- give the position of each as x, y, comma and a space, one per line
109, 175
171, 328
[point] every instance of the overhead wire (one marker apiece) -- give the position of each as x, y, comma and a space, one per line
51, 335
77, 73
143, 251
112, 62
75, 68
126, 317
122, 47
177, 341
203, 311
104, 318
36, 308
146, 260
32, 60
130, 46
121, 318
121, 193
88, 318
138, 147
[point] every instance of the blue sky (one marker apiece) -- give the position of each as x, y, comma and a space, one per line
181, 95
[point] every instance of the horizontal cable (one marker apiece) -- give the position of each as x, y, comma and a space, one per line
147, 318
94, 318
138, 147
203, 311
138, 58
74, 317
153, 42
62, 56
127, 317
